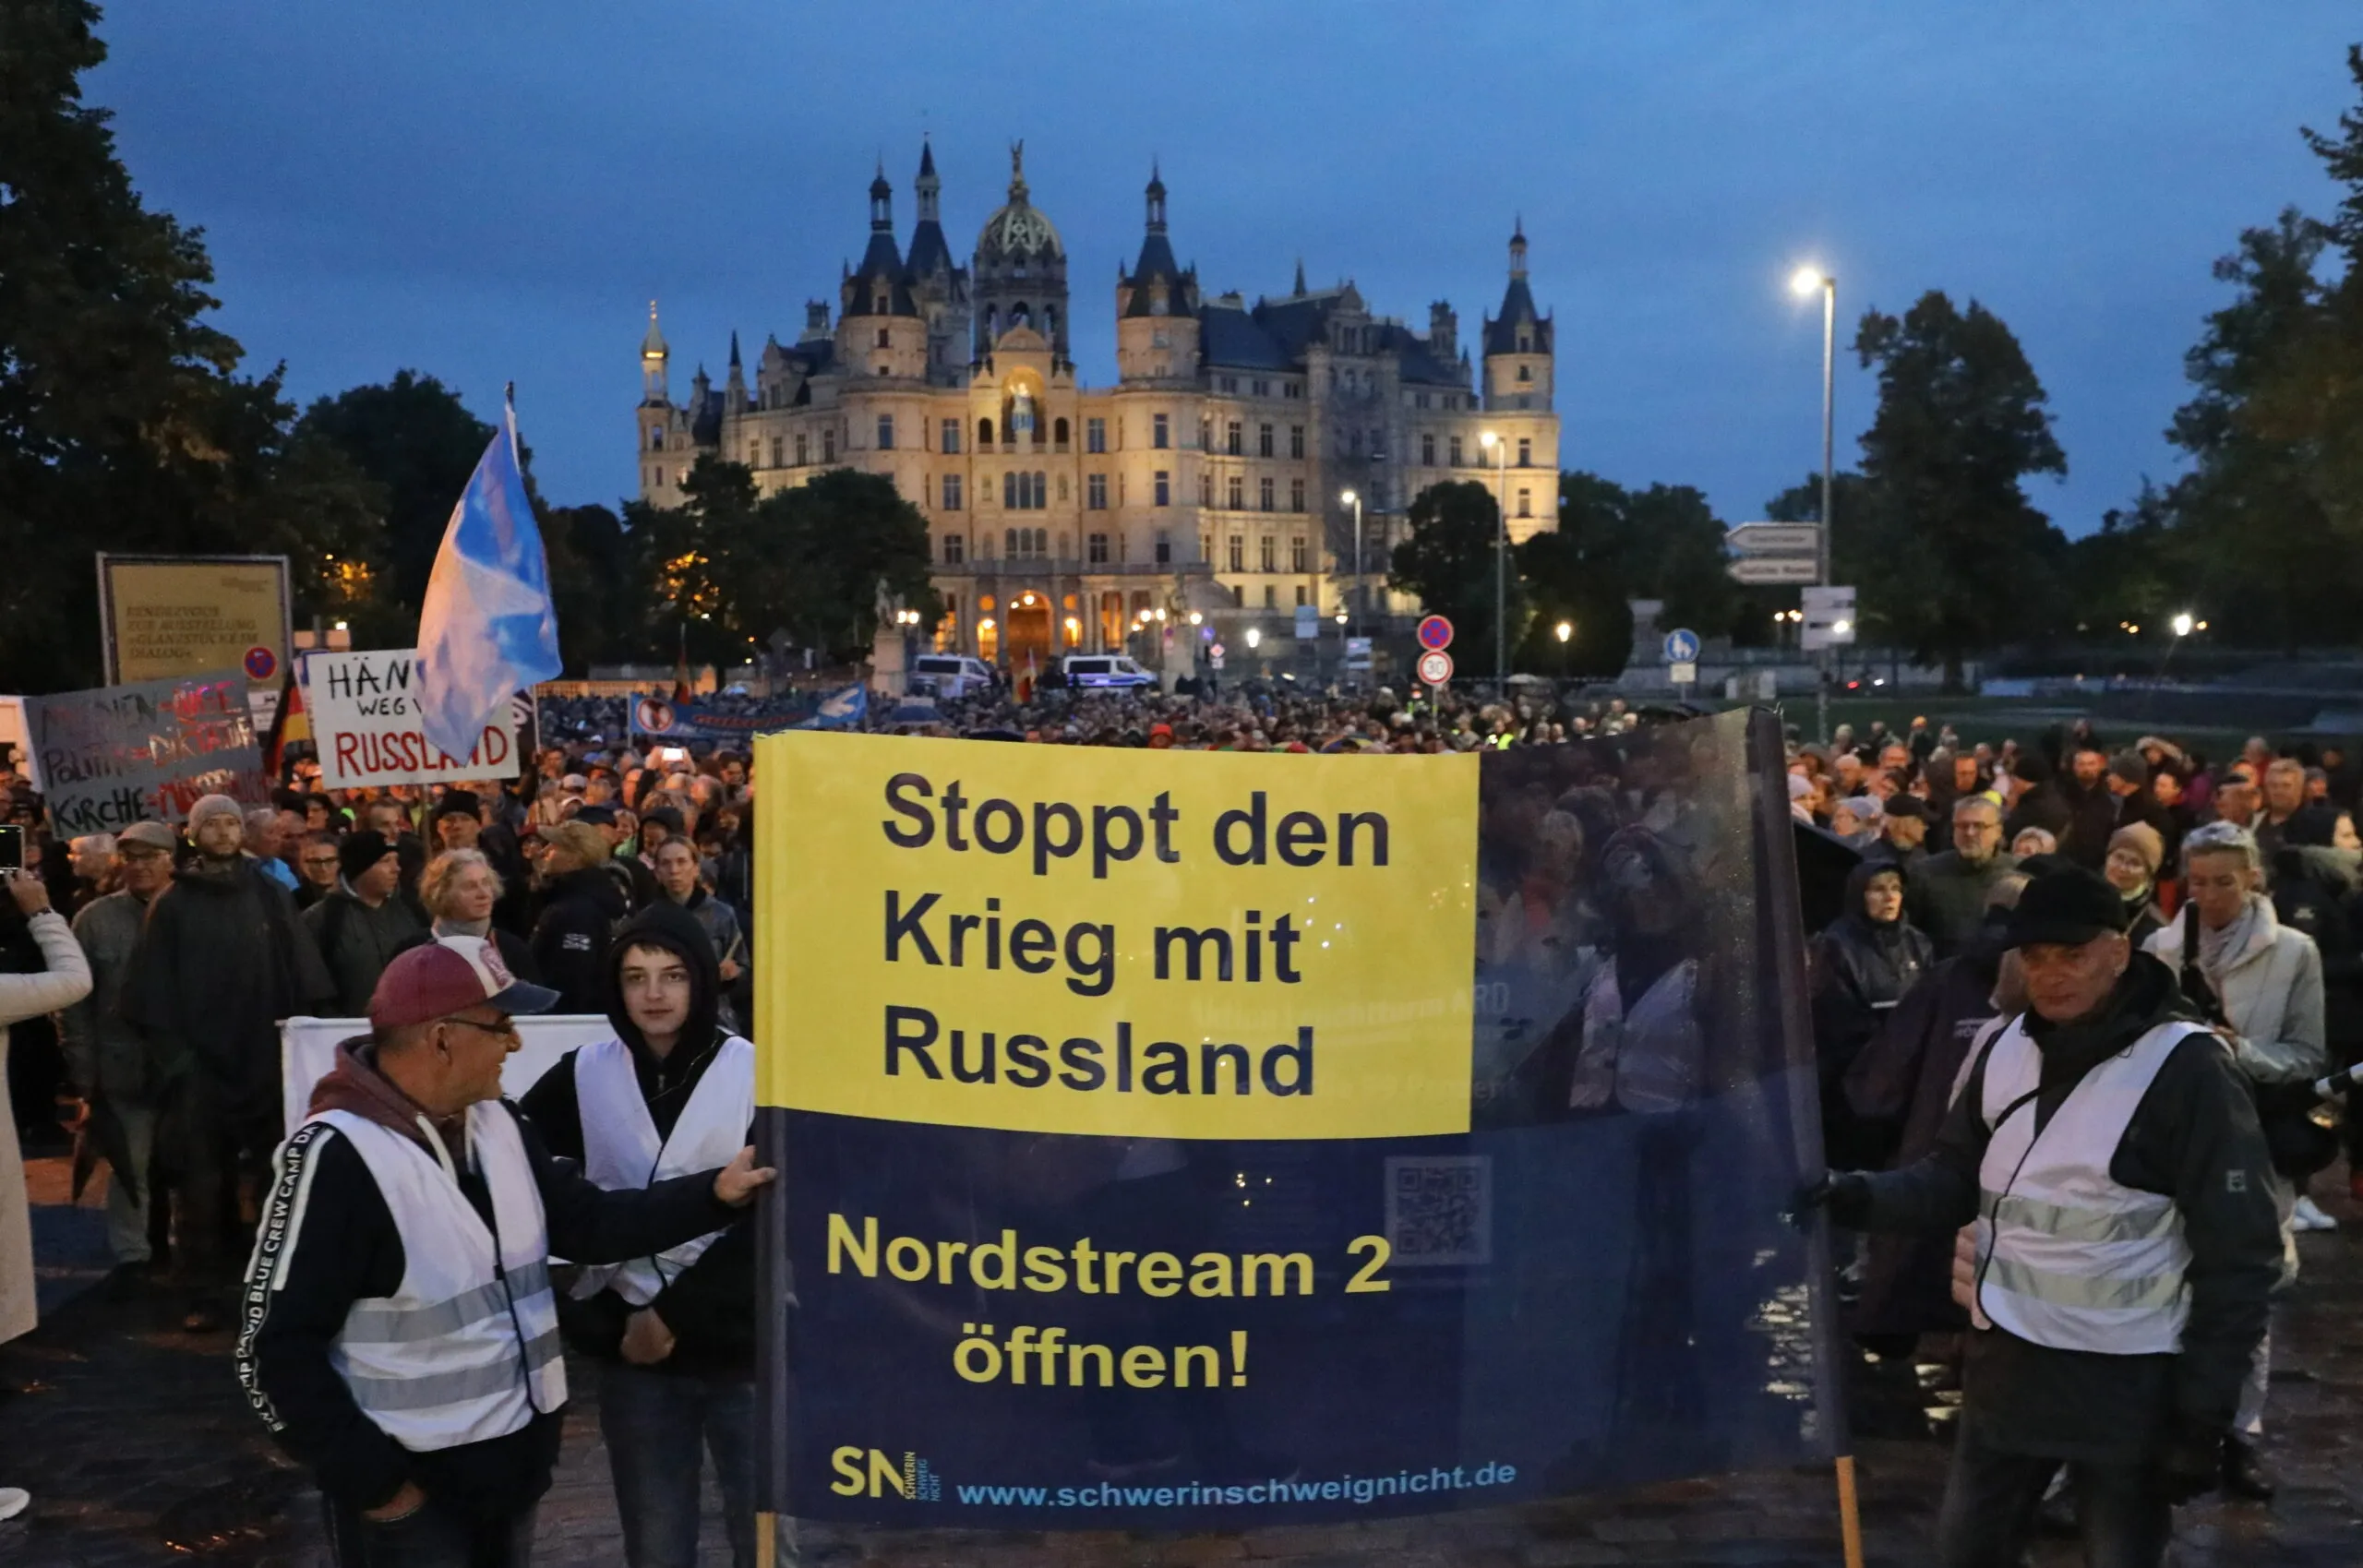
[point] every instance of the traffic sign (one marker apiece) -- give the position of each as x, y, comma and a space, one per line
1829, 618
1214, 655
1775, 538
1308, 623
261, 663
1435, 634
1759, 570
1682, 674
1680, 646
1435, 665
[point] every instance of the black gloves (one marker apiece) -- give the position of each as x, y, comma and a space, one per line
2192, 1463
1845, 1193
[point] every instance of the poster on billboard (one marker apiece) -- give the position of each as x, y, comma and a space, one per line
144, 749
1191, 1141
164, 616
364, 714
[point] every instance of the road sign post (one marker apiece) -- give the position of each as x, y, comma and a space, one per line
1435, 668
1436, 633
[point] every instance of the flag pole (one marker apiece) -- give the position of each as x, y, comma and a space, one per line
1849, 1512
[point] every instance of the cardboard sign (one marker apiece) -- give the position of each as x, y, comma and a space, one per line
144, 750
366, 721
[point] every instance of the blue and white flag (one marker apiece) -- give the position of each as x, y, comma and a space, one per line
489, 628
839, 709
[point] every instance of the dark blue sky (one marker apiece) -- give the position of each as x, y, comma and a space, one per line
490, 192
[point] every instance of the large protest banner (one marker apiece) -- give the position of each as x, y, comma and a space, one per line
170, 615
149, 749
661, 718
1206, 1140
364, 717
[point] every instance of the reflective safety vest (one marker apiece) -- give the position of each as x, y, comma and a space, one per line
622, 1150
2066, 1256
466, 1348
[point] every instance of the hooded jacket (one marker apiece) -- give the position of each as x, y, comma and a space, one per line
710, 1306
580, 908
327, 1240
1861, 968
2194, 1139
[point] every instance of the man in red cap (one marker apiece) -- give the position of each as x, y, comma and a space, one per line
398, 1329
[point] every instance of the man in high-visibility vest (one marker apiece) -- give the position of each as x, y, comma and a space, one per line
399, 1332
2108, 1153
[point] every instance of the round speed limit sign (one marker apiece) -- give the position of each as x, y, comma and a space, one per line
1435, 668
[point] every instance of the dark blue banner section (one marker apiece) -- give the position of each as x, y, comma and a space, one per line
1594, 1285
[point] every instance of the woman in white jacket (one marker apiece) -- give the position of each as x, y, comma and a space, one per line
63, 980
2268, 979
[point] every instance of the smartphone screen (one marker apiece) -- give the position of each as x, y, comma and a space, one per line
12, 846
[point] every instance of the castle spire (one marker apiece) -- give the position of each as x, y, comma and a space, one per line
734, 348
1156, 200
1517, 246
1300, 277
1017, 171
882, 202
927, 186
654, 356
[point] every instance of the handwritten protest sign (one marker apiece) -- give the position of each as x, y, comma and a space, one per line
148, 749
1199, 1141
365, 722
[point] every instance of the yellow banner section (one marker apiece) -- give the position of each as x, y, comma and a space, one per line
171, 618
1149, 944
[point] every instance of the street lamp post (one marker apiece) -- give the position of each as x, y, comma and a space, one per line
1501, 450
1805, 281
1361, 608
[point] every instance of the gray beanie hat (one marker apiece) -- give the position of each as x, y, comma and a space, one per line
212, 805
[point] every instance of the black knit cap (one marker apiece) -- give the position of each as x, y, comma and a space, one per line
2068, 906
360, 850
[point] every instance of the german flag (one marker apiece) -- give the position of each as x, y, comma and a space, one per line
289, 724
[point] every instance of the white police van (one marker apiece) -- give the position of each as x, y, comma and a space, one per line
1093, 671
950, 675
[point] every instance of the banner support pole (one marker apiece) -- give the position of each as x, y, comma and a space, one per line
766, 1539
1850, 1513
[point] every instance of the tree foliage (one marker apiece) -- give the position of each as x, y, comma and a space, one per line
1955, 558
1450, 561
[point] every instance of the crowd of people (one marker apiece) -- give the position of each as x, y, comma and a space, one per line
2220, 901
148, 972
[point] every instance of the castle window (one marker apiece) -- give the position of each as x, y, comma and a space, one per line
1009, 545
1095, 549
1237, 492
1526, 373
1238, 553
1267, 557
1525, 346
1454, 452
951, 436
1095, 435
803, 450
660, 476
1524, 503
1296, 440
1299, 558
884, 340
1230, 383
1296, 495
1164, 549
885, 432
1230, 439
1271, 597
1095, 492
1525, 451
1164, 488
1205, 488
1299, 594
1264, 440
984, 435
655, 437
1427, 448
951, 498
1264, 493
1059, 432
828, 445
776, 453
754, 454
952, 549
1263, 390
1159, 432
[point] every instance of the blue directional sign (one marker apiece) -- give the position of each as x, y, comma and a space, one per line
1680, 646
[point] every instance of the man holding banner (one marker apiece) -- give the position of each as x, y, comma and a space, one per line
2108, 1153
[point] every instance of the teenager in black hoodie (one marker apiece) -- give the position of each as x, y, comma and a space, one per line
676, 1332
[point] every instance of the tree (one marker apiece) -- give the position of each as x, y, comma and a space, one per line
121, 415
418, 442
599, 584
2251, 516
1956, 558
1567, 581
1450, 563
855, 539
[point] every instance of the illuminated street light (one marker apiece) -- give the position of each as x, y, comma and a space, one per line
1806, 280
1564, 630
1501, 450
2184, 625
1195, 619
1254, 637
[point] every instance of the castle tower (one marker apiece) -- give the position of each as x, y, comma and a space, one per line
1518, 343
1020, 272
878, 328
734, 389
939, 288
1156, 305
653, 356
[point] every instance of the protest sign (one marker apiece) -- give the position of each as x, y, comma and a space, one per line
172, 616
365, 716
1203, 1141
661, 718
116, 755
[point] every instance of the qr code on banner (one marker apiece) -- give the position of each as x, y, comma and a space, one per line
1440, 1209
